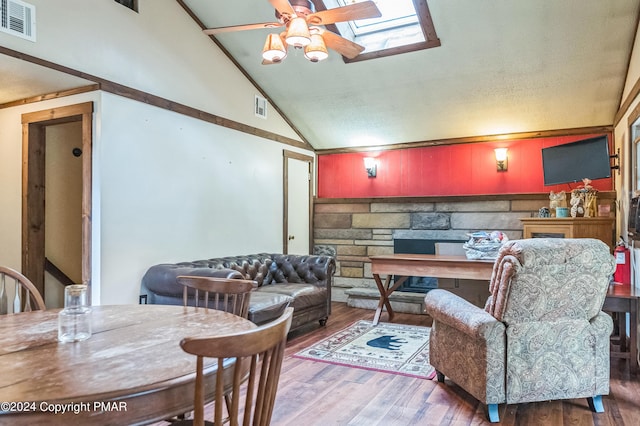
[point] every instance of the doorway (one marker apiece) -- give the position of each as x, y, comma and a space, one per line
298, 190
39, 129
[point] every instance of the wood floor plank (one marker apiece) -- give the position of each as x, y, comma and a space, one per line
385, 404
331, 397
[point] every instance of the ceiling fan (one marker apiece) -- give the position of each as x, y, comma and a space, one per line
302, 29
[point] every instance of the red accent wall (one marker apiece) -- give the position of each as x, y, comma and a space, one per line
462, 169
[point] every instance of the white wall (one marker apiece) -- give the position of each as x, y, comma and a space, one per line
174, 188
159, 50
166, 187
634, 67
622, 134
10, 189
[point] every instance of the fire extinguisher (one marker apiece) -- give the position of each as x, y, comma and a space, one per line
623, 263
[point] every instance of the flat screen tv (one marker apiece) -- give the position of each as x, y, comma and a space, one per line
572, 162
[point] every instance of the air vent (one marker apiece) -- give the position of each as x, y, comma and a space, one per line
18, 18
261, 107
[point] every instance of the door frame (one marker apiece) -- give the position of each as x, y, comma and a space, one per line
33, 186
285, 191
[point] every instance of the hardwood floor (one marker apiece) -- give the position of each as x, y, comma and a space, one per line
317, 393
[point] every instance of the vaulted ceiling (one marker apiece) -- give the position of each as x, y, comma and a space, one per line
502, 67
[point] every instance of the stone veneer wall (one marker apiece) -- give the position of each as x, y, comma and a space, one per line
354, 229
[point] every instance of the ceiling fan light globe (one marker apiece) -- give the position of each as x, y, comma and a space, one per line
316, 50
274, 49
298, 33
297, 41
316, 56
273, 56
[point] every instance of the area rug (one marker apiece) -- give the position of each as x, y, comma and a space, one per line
394, 348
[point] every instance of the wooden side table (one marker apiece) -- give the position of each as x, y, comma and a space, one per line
600, 228
624, 299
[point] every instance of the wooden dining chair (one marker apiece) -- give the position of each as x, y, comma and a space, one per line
230, 295
262, 351
224, 294
26, 297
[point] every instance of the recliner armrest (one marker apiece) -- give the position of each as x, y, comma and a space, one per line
460, 314
602, 323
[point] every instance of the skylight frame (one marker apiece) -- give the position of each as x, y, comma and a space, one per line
368, 26
431, 39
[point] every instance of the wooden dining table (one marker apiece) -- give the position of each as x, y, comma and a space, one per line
131, 371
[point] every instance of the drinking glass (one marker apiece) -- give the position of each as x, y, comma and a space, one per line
74, 321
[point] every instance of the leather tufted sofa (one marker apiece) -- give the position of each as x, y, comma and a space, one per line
301, 281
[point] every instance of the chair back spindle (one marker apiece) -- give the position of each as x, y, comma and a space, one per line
26, 296
263, 349
224, 294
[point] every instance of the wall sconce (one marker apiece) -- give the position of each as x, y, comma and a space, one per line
501, 159
371, 166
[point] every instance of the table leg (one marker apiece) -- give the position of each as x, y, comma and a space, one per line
628, 346
622, 331
633, 338
384, 300
385, 291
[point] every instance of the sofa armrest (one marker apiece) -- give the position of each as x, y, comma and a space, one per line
460, 314
291, 268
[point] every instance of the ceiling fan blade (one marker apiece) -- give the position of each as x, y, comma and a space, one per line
283, 7
345, 47
220, 30
363, 10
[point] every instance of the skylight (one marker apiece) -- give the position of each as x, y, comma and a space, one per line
395, 14
400, 29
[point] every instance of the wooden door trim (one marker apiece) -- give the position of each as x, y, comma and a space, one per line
285, 198
33, 139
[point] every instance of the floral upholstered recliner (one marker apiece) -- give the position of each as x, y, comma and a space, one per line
542, 335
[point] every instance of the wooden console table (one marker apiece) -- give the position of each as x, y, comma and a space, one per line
422, 265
